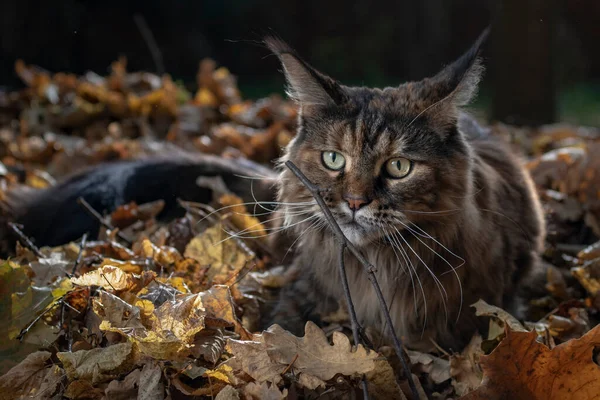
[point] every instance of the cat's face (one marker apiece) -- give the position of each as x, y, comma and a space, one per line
387, 158
381, 172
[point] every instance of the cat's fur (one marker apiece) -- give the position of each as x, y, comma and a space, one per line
465, 224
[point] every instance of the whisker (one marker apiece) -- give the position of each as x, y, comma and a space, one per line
317, 225
261, 203
431, 212
463, 261
259, 177
439, 284
273, 231
412, 281
411, 265
446, 261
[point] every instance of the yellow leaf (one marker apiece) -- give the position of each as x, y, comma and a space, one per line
247, 224
215, 248
114, 278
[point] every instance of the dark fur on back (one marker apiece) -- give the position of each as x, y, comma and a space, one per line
463, 224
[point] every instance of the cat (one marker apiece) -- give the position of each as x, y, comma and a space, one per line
448, 217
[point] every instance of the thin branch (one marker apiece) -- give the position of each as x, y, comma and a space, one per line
25, 240
80, 254
369, 268
142, 25
352, 313
25, 330
90, 210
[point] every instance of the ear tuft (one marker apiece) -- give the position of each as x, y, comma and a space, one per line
441, 96
465, 73
305, 84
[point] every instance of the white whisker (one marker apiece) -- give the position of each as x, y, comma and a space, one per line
444, 259
439, 284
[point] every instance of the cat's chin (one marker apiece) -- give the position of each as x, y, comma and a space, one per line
357, 234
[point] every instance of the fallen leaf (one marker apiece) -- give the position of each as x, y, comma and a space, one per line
117, 312
522, 368
125, 389
32, 378
99, 364
589, 276
484, 309
264, 391
174, 324
215, 248
209, 345
83, 390
48, 269
241, 219
275, 349
465, 369
437, 368
163, 255
228, 393
383, 383
113, 278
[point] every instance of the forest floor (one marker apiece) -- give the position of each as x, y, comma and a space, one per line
173, 311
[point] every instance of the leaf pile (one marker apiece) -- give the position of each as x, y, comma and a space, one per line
178, 312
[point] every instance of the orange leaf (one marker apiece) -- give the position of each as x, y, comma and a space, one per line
522, 368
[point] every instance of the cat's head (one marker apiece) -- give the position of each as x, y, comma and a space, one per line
387, 157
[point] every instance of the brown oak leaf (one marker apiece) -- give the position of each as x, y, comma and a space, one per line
265, 358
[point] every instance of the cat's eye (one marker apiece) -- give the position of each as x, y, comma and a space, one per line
333, 160
397, 168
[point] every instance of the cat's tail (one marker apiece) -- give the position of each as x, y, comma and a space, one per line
52, 216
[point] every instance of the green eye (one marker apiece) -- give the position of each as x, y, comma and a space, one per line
333, 160
397, 168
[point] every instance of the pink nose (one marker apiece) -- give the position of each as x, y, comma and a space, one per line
356, 203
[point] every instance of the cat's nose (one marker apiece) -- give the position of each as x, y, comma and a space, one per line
355, 202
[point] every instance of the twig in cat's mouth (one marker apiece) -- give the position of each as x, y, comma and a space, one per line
370, 270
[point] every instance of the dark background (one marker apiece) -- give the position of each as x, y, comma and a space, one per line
543, 58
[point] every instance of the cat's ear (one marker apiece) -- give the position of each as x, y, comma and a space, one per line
305, 84
455, 86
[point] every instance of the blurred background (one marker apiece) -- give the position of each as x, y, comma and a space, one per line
543, 60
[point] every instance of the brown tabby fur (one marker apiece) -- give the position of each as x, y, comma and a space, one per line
464, 224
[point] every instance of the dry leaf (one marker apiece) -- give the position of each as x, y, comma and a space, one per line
522, 368
484, 309
209, 345
32, 378
150, 383
125, 389
264, 391
247, 225
100, 364
216, 249
267, 357
228, 393
113, 278
383, 383
119, 313
174, 324
588, 276
437, 368
464, 367
83, 390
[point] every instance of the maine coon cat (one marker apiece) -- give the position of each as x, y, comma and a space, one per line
447, 216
